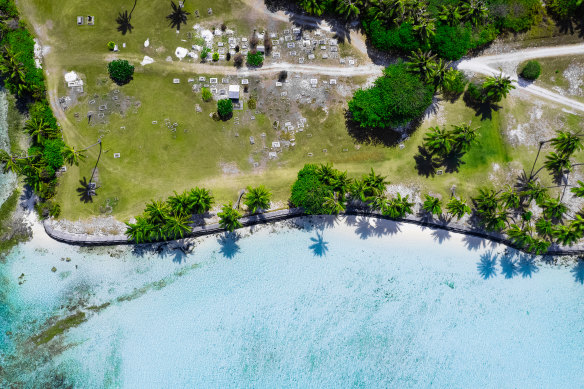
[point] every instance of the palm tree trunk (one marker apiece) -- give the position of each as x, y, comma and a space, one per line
96, 162
135, 2
534, 162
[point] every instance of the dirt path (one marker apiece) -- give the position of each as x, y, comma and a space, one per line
507, 64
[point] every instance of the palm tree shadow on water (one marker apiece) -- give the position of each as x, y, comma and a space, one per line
487, 265
509, 266
228, 242
527, 266
319, 246
578, 271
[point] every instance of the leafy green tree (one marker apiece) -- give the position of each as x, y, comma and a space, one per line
554, 208
178, 16
229, 217
450, 14
179, 204
225, 108
457, 208
396, 98
439, 141
120, 71
309, 192
255, 58
200, 200
177, 226
497, 87
258, 198
432, 205
531, 71
422, 63
53, 153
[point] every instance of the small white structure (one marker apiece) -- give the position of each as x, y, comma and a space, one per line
80, 20
90, 20
261, 49
234, 92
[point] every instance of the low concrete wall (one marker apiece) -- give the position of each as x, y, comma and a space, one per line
268, 217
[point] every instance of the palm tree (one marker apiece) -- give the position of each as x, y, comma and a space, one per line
535, 191
464, 137
567, 143
544, 227
178, 16
229, 217
554, 209
566, 235
557, 164
380, 202
348, 8
441, 69
176, 226
578, 223
14, 69
200, 200
475, 11
539, 246
578, 190
385, 11
11, 163
422, 63
157, 212
510, 198
450, 14
426, 28
404, 204
498, 87
438, 141
334, 204
257, 198
313, 7
140, 231
520, 237
432, 205
39, 130
179, 203
374, 183
457, 208
326, 173
342, 183
72, 156
486, 201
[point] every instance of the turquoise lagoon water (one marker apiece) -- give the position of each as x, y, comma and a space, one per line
345, 303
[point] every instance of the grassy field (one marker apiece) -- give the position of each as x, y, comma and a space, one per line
155, 161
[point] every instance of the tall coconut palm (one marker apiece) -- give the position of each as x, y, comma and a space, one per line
72, 156
534, 190
425, 28
14, 69
229, 217
557, 164
457, 208
520, 237
375, 183
157, 211
464, 137
358, 191
578, 223
405, 205
177, 226
422, 63
200, 200
554, 208
439, 141
39, 130
326, 173
440, 71
257, 199
567, 143
348, 8
140, 231
578, 191
498, 87
313, 7
486, 201
544, 227
510, 198
179, 203
539, 246
450, 14
178, 16
334, 204
11, 163
566, 235
475, 11
432, 205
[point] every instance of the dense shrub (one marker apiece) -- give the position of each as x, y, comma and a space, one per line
483, 36
309, 192
206, 94
238, 60
395, 99
8, 9
402, 38
215, 57
565, 9
452, 42
255, 58
515, 15
41, 110
454, 83
225, 108
120, 71
21, 44
111, 45
531, 70
204, 52
252, 103
475, 94
52, 153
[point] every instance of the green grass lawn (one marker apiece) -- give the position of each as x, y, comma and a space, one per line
155, 162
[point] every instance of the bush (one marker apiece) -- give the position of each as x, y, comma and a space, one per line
452, 42
255, 58
267, 43
565, 9
21, 43
225, 108
531, 71
228, 56
204, 52
282, 76
395, 99
475, 94
111, 45
206, 94
8, 8
238, 60
252, 103
309, 192
215, 57
53, 153
41, 111
120, 71
402, 38
483, 35
454, 84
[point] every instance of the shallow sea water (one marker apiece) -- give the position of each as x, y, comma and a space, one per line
334, 303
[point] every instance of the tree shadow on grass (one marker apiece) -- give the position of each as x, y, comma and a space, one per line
487, 265
426, 163
378, 136
319, 246
452, 162
86, 191
124, 20
228, 242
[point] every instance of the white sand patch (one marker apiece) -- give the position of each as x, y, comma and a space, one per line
517, 136
71, 76
181, 52
147, 61
147, 42
575, 76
